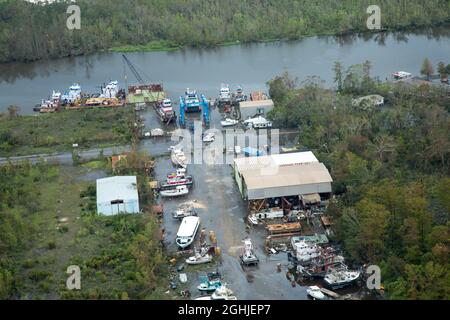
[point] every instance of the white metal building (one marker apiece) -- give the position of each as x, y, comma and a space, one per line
281, 175
250, 109
117, 195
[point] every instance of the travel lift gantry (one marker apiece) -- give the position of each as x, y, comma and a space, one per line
202, 105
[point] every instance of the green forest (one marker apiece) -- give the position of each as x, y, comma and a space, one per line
31, 32
390, 167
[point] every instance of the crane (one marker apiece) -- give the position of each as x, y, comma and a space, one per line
133, 69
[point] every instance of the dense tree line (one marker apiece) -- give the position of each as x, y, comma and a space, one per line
390, 167
31, 32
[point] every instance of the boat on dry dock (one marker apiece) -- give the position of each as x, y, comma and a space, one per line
340, 278
229, 122
315, 293
249, 257
224, 95
221, 293
165, 111
178, 158
178, 191
187, 231
199, 257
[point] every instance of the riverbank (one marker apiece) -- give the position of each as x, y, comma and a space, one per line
58, 132
193, 24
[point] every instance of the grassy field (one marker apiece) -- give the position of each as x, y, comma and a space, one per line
57, 132
119, 257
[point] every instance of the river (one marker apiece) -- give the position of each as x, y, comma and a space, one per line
249, 65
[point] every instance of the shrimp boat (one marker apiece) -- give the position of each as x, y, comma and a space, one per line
248, 257
229, 122
178, 191
187, 231
178, 158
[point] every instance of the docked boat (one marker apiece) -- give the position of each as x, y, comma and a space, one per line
175, 192
73, 95
224, 94
239, 96
111, 90
315, 293
258, 123
400, 75
187, 231
340, 278
209, 137
229, 122
249, 257
179, 158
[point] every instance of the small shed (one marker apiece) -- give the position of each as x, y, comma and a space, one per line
251, 109
117, 195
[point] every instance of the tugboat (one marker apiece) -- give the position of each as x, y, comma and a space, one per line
51, 104
165, 111
111, 90
248, 257
224, 95
73, 95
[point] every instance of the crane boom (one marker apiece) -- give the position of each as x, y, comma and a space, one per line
133, 69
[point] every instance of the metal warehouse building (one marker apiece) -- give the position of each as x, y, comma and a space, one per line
250, 109
117, 195
282, 178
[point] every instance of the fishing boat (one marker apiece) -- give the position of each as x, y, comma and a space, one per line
229, 122
175, 192
183, 213
315, 293
340, 278
400, 75
179, 158
191, 101
224, 94
273, 213
177, 181
187, 231
248, 257
180, 173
